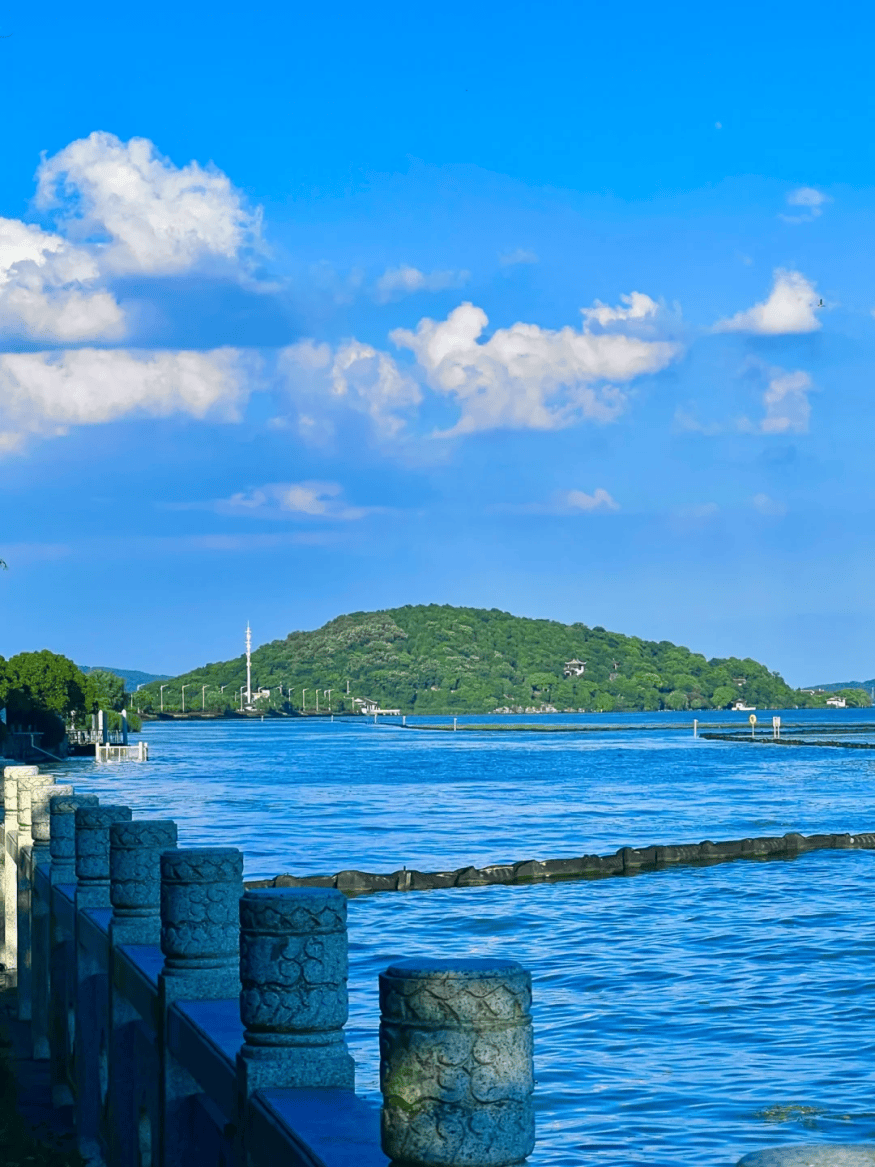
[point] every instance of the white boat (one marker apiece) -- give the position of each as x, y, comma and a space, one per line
740, 707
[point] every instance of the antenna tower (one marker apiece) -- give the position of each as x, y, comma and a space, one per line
248, 664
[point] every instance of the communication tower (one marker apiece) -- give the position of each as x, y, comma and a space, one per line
248, 664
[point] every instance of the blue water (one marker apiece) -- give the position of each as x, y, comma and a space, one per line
686, 1016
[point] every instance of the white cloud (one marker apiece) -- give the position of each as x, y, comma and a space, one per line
599, 500
45, 393
790, 308
121, 209
356, 375
638, 308
520, 255
47, 288
786, 403
404, 281
811, 200
767, 506
322, 500
147, 215
526, 376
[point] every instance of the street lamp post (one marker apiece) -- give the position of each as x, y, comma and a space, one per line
328, 693
317, 700
203, 698
184, 687
163, 687
303, 700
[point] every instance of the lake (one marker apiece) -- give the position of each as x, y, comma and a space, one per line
682, 1016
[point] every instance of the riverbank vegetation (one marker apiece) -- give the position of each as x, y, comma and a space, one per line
44, 691
437, 659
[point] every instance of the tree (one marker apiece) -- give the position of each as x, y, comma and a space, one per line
43, 689
105, 691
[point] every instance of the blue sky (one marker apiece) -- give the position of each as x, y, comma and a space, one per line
566, 311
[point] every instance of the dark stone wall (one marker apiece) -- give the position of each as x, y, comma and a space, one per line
626, 861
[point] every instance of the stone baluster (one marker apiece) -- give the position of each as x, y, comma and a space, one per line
30, 787
92, 852
26, 786
200, 922
135, 891
92, 982
200, 938
40, 813
63, 947
135, 878
62, 834
293, 1001
456, 1063
11, 775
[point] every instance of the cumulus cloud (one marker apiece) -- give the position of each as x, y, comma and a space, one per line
48, 288
526, 376
145, 214
47, 392
356, 375
404, 281
790, 308
638, 308
810, 200
314, 499
599, 500
120, 209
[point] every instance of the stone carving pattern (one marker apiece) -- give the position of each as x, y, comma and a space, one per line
456, 1067
27, 787
135, 865
200, 896
40, 812
293, 966
92, 840
62, 813
11, 776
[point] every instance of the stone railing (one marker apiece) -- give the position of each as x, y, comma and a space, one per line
190, 1021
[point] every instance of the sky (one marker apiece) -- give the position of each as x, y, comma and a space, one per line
560, 309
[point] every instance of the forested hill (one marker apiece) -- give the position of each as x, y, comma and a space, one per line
440, 659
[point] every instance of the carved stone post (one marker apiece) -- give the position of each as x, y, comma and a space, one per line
62, 832
293, 1002
135, 878
200, 938
29, 787
92, 981
41, 891
200, 896
92, 852
62, 1002
135, 890
456, 1063
11, 775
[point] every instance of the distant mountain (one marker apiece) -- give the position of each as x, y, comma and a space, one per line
131, 677
440, 659
834, 686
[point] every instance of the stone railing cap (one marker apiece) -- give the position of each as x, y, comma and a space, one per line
68, 803
101, 816
473, 966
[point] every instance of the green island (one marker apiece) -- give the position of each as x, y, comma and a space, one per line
439, 659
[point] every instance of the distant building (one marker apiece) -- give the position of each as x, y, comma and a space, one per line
574, 668
366, 706
837, 702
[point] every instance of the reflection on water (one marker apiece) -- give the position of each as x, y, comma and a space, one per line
685, 1016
